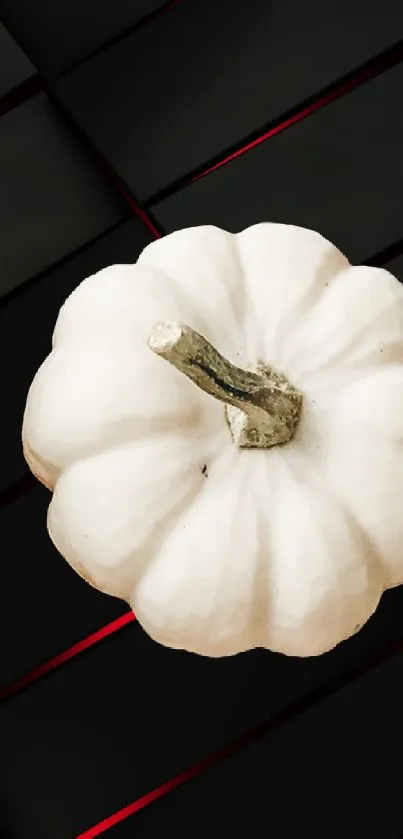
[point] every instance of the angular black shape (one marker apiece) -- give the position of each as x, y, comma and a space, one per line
15, 67
395, 266
332, 772
118, 720
127, 716
339, 172
178, 92
25, 338
57, 35
45, 607
53, 199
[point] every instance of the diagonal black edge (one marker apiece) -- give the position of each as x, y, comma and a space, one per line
377, 65
21, 93
36, 278
347, 83
107, 169
28, 483
147, 19
21, 487
379, 259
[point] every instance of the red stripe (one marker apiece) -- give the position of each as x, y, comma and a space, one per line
256, 733
193, 771
375, 68
159, 792
121, 188
66, 655
105, 166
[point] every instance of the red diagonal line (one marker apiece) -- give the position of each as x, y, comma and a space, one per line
25, 485
66, 655
121, 188
236, 745
379, 65
336, 90
104, 165
35, 84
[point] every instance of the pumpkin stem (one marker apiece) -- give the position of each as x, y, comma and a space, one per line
262, 408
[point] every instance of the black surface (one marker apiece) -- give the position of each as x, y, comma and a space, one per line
327, 774
15, 67
117, 722
168, 99
199, 79
25, 340
44, 607
339, 172
57, 35
395, 266
52, 198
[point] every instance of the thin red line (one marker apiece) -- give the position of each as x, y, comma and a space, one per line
238, 744
26, 485
193, 771
159, 792
142, 214
104, 165
66, 655
378, 66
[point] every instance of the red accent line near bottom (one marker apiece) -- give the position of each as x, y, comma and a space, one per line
386, 61
157, 793
255, 733
66, 655
178, 780
135, 208
104, 165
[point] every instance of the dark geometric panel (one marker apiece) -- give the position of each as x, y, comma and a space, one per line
52, 197
126, 717
340, 172
395, 266
55, 35
15, 67
120, 719
197, 80
44, 606
129, 714
26, 340
333, 772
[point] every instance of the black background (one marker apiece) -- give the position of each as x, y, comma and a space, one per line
109, 114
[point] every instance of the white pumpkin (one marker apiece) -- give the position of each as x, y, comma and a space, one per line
273, 522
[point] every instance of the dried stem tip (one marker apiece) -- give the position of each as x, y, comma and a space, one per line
262, 408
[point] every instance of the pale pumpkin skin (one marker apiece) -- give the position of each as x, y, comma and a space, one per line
219, 549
